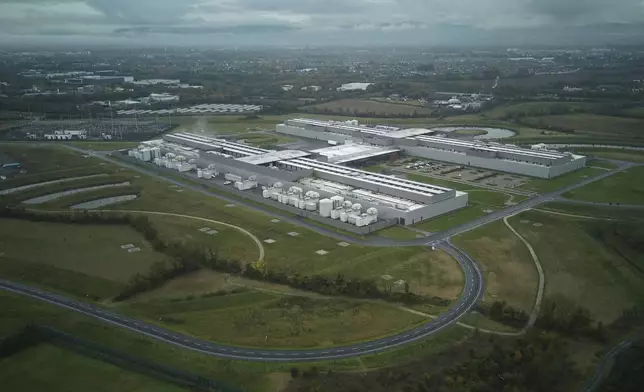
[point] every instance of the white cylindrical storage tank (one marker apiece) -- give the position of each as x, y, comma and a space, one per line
278, 185
337, 201
276, 196
294, 200
344, 216
372, 211
285, 199
347, 205
266, 193
279, 197
351, 219
301, 204
326, 205
357, 207
311, 205
335, 214
199, 173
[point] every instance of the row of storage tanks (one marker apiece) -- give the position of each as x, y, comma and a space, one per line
176, 162
208, 173
335, 207
240, 183
145, 154
293, 196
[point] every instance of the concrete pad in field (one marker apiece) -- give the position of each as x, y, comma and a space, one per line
538, 224
230, 205
293, 234
127, 246
488, 211
270, 241
275, 220
212, 232
132, 250
525, 221
179, 190
321, 252
387, 277
205, 229
343, 244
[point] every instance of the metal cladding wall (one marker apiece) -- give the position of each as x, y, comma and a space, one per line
382, 188
526, 169
318, 135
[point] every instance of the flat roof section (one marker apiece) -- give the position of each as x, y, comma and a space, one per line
274, 156
344, 153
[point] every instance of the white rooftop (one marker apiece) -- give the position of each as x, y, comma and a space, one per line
352, 152
273, 156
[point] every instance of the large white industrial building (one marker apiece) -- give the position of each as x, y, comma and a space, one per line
420, 142
295, 178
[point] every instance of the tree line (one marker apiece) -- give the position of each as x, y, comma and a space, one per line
186, 259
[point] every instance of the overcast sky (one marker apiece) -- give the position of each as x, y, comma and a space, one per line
297, 22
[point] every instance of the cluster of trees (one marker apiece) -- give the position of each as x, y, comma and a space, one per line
28, 336
503, 313
537, 362
562, 316
344, 111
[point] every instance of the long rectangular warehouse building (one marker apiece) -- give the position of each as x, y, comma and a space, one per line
419, 142
406, 201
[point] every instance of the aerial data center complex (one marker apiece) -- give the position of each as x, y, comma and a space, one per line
324, 183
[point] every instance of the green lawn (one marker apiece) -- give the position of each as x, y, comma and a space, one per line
469, 132
227, 243
628, 214
452, 219
398, 233
50, 368
104, 145
579, 267
42, 158
535, 108
626, 187
591, 124
602, 164
93, 250
510, 273
549, 185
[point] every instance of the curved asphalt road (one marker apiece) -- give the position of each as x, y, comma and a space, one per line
471, 294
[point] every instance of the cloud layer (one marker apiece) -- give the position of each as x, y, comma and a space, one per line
300, 21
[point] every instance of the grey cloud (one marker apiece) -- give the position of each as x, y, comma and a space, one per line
590, 10
200, 30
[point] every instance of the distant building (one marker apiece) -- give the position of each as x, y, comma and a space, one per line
163, 97
354, 86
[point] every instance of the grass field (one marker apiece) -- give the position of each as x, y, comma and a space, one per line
452, 219
50, 368
351, 106
622, 213
587, 123
227, 243
398, 233
469, 132
87, 249
536, 108
42, 158
580, 268
252, 376
625, 187
600, 163
104, 145
613, 153
510, 274
260, 319
549, 185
